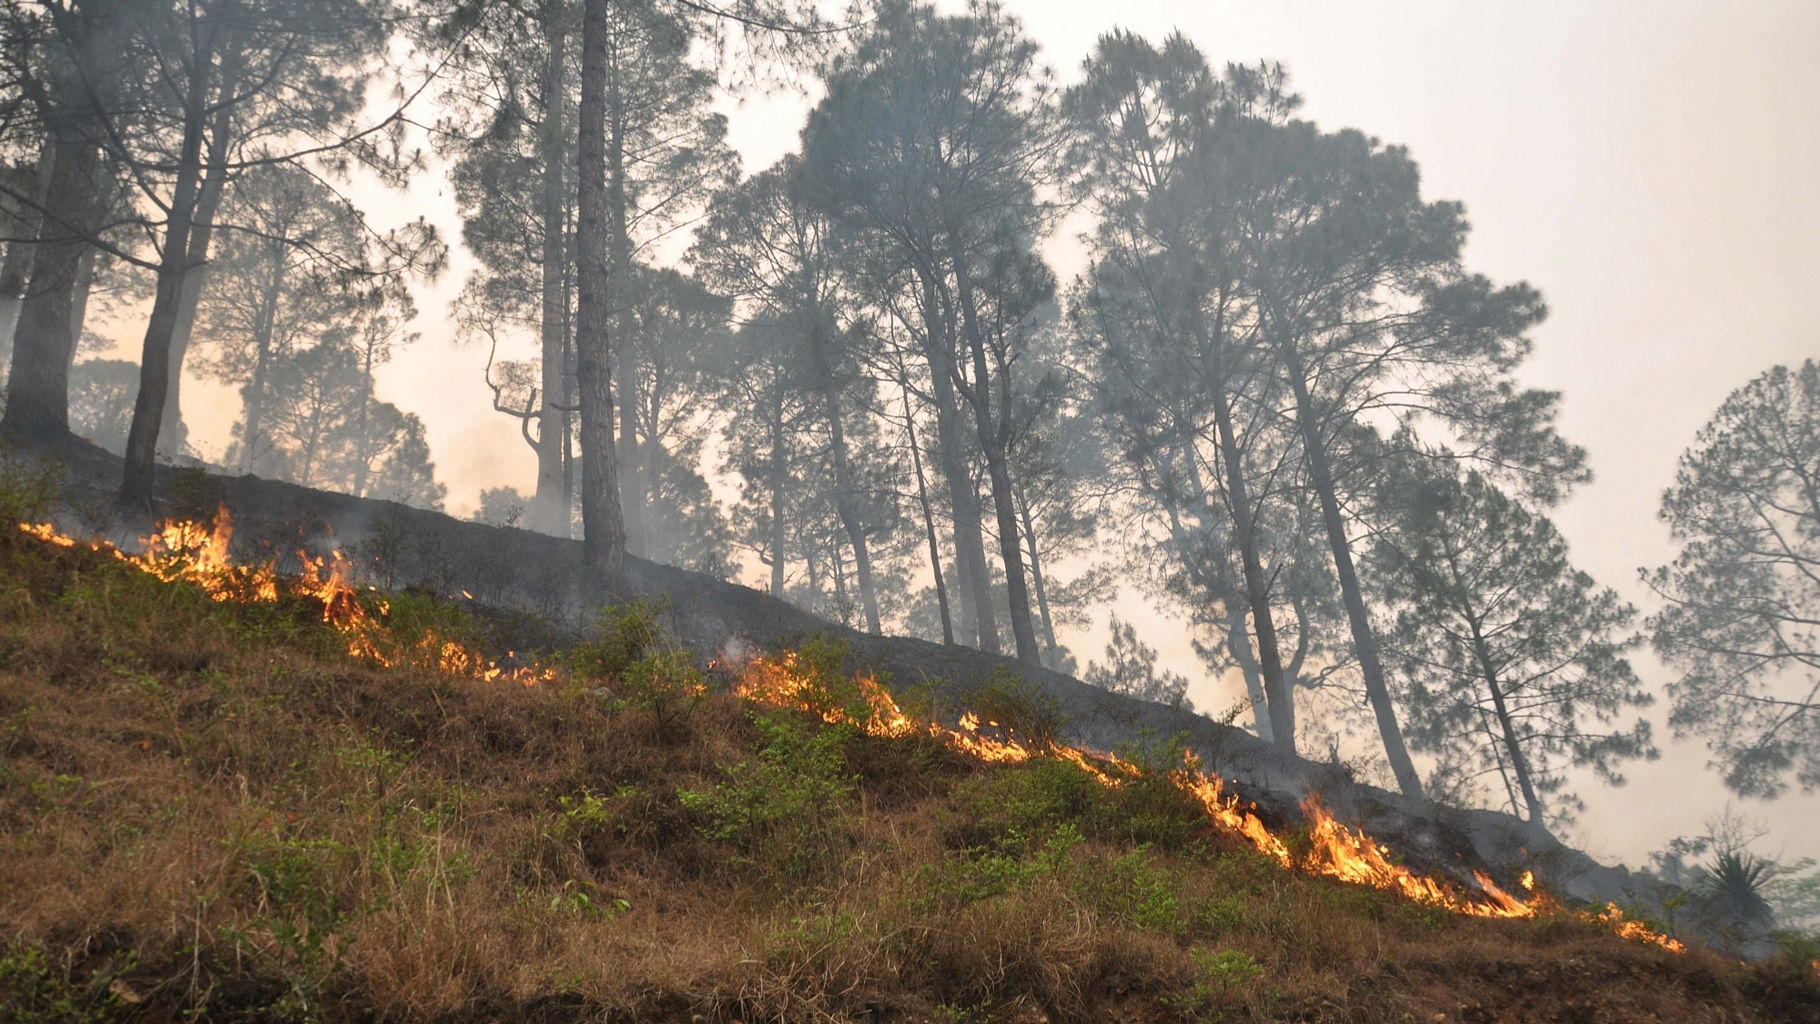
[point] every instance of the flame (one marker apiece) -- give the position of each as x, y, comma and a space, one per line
1335, 849
1628, 928
47, 533
187, 551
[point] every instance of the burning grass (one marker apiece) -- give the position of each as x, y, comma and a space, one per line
226, 808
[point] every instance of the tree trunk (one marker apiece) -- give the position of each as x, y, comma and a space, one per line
171, 434
650, 445
998, 471
311, 439
844, 487
619, 290
1518, 763
38, 385
173, 267
1238, 644
363, 445
633, 496
1365, 642
603, 529
265, 324
550, 506
1497, 755
779, 537
16, 269
1278, 696
568, 414
1036, 569
1219, 582
935, 549
85, 283
842, 603
969, 547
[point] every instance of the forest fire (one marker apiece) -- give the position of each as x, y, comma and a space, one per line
1334, 849
189, 552
1612, 917
195, 554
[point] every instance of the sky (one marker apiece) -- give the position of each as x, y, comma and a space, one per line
1648, 165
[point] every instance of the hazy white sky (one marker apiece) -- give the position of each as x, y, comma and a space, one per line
1649, 165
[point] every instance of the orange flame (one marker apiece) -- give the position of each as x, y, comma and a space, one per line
1628, 928
187, 551
190, 552
1335, 849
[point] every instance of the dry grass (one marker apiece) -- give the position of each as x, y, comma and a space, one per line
208, 810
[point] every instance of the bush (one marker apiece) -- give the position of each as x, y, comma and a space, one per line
1022, 709
665, 685
1134, 889
783, 810
829, 690
624, 634
1217, 974
32, 992
28, 488
980, 873
1019, 805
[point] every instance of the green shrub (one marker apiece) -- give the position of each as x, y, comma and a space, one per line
1796, 944
1151, 810
624, 634
979, 873
1135, 889
1217, 974
829, 688
783, 810
194, 494
1023, 803
1025, 711
29, 486
1217, 917
31, 992
665, 685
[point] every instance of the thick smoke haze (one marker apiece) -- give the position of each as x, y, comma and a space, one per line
1649, 168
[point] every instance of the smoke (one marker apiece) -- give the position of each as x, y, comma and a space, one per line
737, 652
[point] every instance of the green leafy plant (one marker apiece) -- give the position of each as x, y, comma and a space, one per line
29, 486
1134, 888
623, 635
31, 992
1025, 802
1149, 808
301, 915
1217, 974
783, 809
968, 876
1022, 709
665, 685
829, 689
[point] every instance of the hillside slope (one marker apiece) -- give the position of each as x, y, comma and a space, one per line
212, 808
538, 576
